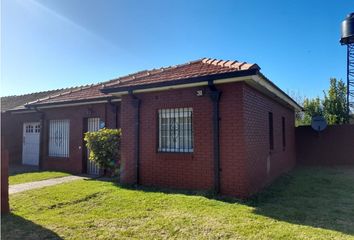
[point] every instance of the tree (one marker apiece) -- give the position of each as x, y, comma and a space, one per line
312, 107
332, 107
299, 99
335, 103
104, 148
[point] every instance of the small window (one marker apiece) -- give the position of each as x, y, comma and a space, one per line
175, 130
59, 138
37, 128
283, 132
271, 131
29, 129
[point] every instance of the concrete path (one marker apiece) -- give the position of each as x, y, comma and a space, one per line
40, 184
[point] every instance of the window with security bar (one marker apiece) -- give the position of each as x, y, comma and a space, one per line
176, 130
59, 138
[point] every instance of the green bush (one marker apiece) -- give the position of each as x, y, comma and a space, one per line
104, 148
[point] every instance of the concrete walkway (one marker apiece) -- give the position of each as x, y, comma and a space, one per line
40, 184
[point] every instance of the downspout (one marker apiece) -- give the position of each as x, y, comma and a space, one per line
215, 95
41, 138
136, 104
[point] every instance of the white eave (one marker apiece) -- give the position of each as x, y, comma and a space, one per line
57, 105
257, 81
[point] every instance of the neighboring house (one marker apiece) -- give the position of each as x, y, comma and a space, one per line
205, 125
13, 116
49, 131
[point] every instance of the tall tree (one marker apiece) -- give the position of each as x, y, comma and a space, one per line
312, 107
333, 107
335, 103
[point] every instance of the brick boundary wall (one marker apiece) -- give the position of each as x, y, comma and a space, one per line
333, 146
4, 180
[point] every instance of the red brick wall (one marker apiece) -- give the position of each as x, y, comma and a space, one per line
12, 133
176, 170
4, 179
75, 163
233, 175
244, 146
127, 173
243, 141
259, 157
333, 146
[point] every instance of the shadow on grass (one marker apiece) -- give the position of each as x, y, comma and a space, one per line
316, 197
16, 227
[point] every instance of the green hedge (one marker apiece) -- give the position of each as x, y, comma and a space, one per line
104, 148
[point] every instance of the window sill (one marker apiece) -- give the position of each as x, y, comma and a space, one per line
175, 156
174, 152
58, 158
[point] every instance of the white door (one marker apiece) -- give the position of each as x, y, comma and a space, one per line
93, 125
30, 143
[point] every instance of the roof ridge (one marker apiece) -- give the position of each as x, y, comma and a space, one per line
149, 72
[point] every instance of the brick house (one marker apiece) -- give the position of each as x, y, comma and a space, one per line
48, 131
13, 116
205, 125
208, 124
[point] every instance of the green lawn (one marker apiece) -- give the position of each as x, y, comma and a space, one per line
34, 176
309, 203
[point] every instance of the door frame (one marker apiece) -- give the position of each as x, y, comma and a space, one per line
84, 148
34, 123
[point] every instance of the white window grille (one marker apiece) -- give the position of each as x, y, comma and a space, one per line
176, 130
59, 138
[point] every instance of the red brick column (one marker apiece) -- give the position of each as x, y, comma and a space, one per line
128, 148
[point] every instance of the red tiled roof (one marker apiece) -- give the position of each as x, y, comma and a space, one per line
89, 92
198, 68
17, 102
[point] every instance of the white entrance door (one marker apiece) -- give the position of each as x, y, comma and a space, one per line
93, 125
30, 143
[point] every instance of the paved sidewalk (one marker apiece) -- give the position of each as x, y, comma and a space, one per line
40, 184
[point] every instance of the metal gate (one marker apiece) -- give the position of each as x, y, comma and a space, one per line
93, 125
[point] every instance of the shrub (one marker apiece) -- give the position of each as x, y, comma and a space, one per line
104, 148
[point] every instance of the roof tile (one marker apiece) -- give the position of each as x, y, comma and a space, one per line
197, 68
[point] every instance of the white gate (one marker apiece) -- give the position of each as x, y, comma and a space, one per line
30, 143
93, 125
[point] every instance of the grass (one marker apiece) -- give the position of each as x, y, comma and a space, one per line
34, 176
309, 203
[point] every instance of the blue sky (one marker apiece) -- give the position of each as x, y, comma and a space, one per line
50, 44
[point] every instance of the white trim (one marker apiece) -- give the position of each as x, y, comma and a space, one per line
265, 84
188, 85
76, 104
255, 79
20, 112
